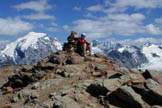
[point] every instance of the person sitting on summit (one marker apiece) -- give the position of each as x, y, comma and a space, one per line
83, 46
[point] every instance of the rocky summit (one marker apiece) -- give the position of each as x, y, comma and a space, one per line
67, 80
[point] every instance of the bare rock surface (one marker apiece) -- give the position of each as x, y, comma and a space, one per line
67, 80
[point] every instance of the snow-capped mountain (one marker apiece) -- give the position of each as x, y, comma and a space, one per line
154, 55
143, 53
129, 56
29, 49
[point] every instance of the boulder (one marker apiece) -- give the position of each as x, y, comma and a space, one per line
132, 79
26, 68
35, 85
126, 97
136, 78
124, 70
47, 66
112, 84
155, 75
125, 79
154, 87
57, 59
65, 102
97, 90
74, 59
19, 80
15, 98
73, 70
38, 74
156, 106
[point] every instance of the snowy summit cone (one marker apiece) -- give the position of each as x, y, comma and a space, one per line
30, 48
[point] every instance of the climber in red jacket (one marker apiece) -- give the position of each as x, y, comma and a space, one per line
83, 45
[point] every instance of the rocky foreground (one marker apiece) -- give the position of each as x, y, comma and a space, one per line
67, 80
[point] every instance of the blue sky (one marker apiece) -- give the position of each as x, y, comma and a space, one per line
99, 19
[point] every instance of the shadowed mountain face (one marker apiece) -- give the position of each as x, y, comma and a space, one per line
29, 49
128, 59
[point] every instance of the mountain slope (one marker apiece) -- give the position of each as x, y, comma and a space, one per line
29, 49
140, 53
129, 56
68, 80
154, 56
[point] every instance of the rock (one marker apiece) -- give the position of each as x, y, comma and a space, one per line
101, 67
51, 95
97, 90
73, 70
97, 74
38, 74
47, 66
32, 97
7, 90
124, 79
51, 82
93, 59
20, 80
15, 98
112, 84
57, 104
74, 59
150, 92
7, 106
157, 76
35, 85
26, 68
113, 74
154, 87
57, 59
152, 95
126, 97
156, 106
136, 78
65, 102
124, 70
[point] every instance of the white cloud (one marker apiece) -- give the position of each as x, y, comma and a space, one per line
95, 8
158, 20
122, 5
114, 20
39, 16
53, 27
119, 24
77, 8
152, 29
13, 26
37, 5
